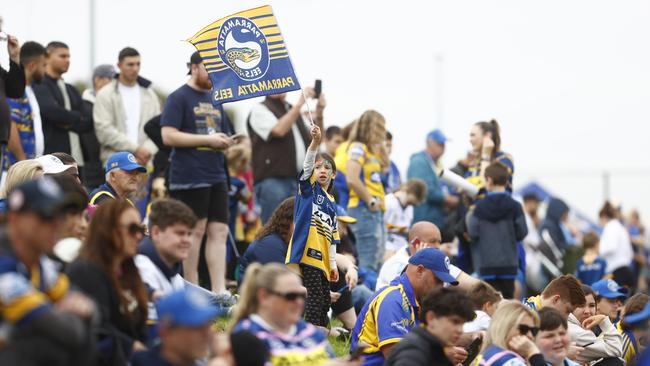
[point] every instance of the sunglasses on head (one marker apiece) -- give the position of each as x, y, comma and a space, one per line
289, 296
524, 329
135, 229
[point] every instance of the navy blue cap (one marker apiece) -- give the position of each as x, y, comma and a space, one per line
437, 136
189, 308
42, 196
638, 317
124, 160
436, 261
609, 289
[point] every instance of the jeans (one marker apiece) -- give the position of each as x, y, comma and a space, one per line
360, 295
370, 236
270, 192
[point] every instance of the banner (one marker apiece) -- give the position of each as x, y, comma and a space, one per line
245, 56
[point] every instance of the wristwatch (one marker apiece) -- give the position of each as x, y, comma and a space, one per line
373, 202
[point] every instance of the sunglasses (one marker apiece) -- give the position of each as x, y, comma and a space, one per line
289, 296
524, 329
135, 229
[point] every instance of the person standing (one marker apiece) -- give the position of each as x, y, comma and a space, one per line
199, 133
12, 85
279, 137
366, 158
26, 138
424, 165
94, 169
122, 109
616, 247
60, 105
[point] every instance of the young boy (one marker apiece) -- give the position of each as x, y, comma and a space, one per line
313, 245
590, 267
399, 214
486, 301
495, 226
333, 138
161, 254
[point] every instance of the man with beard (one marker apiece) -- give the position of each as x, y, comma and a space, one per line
26, 138
199, 133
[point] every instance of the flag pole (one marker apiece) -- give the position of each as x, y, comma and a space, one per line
304, 96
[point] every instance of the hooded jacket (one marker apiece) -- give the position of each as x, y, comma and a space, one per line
551, 223
418, 348
494, 226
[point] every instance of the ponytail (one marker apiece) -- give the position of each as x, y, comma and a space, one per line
493, 128
257, 277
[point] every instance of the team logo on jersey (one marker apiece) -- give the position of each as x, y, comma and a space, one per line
447, 263
320, 199
243, 47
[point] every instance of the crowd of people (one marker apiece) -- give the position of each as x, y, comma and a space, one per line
129, 224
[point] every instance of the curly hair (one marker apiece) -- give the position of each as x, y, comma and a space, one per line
280, 221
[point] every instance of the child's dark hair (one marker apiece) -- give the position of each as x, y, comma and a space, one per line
483, 293
588, 291
633, 305
590, 240
417, 188
551, 319
447, 302
332, 131
498, 173
168, 212
327, 157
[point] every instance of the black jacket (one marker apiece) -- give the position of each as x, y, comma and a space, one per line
58, 121
12, 85
419, 347
495, 225
551, 223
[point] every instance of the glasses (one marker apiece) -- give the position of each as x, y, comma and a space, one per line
524, 329
289, 296
135, 229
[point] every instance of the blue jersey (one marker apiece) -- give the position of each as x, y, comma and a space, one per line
21, 115
306, 345
25, 292
591, 272
315, 226
386, 318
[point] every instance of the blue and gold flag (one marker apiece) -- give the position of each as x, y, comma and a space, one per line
245, 56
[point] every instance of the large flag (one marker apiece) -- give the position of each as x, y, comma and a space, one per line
245, 56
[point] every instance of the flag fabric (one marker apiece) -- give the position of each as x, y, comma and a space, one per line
245, 56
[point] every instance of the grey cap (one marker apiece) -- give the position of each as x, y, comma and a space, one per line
104, 71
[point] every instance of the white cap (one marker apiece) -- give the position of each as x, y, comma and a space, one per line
51, 164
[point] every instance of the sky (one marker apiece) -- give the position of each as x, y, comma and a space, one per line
569, 81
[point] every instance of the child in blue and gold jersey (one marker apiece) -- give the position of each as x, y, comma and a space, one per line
313, 245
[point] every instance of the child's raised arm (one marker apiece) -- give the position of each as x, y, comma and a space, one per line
312, 151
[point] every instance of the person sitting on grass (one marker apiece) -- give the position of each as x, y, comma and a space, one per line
398, 216
486, 301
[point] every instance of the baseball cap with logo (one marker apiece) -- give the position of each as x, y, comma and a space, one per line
189, 308
52, 165
42, 196
609, 289
436, 261
124, 160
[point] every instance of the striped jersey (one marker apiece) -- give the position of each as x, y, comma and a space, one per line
305, 345
315, 226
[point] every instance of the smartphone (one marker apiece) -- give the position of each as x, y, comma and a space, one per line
237, 136
358, 352
473, 350
342, 289
318, 87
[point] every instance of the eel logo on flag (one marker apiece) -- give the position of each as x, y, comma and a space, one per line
245, 56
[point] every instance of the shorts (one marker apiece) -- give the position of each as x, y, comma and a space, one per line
207, 202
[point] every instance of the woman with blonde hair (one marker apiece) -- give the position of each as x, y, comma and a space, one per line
510, 339
271, 306
21, 172
366, 160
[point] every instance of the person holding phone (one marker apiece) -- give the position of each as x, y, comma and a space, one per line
199, 133
485, 138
